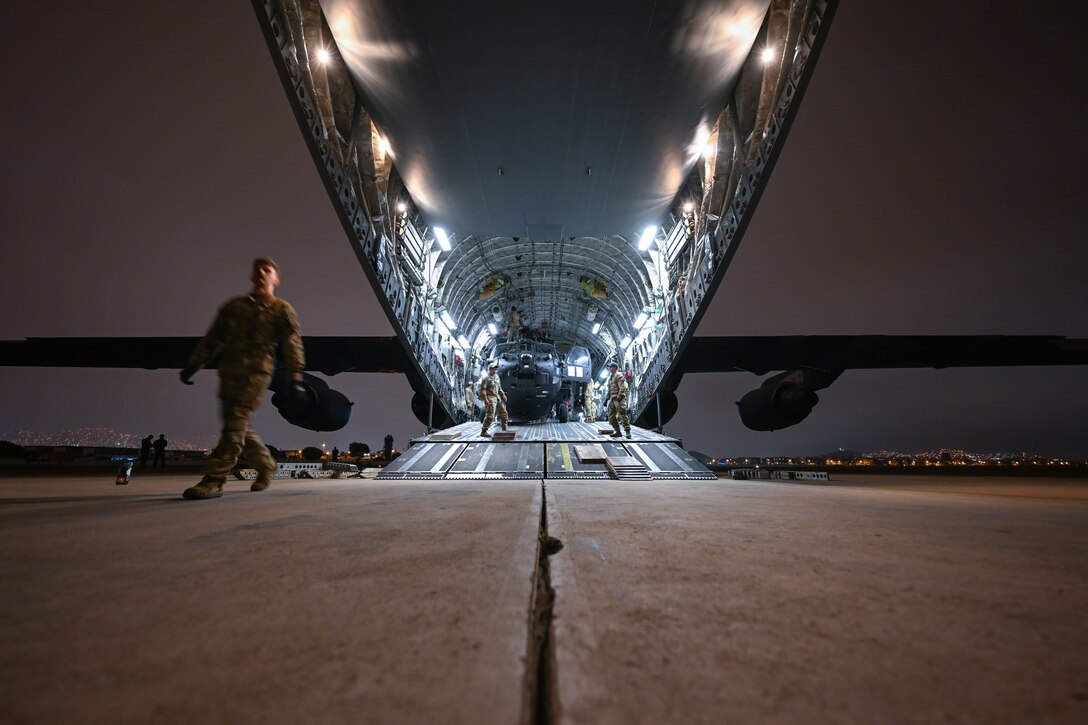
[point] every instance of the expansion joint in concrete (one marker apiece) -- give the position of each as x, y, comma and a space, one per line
540, 704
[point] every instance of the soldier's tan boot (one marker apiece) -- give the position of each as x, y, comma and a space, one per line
485, 434
263, 481
628, 434
616, 434
205, 489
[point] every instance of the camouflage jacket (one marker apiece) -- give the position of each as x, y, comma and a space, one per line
247, 331
617, 388
490, 387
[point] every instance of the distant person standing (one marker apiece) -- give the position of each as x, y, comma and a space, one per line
145, 449
245, 335
160, 450
589, 404
513, 326
335, 454
617, 402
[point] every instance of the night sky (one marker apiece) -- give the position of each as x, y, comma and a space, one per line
934, 182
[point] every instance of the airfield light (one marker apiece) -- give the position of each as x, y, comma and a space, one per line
448, 320
767, 55
443, 238
625, 342
493, 328
323, 56
596, 327
647, 239
641, 320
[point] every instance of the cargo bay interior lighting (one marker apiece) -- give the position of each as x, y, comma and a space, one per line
447, 320
596, 327
647, 238
641, 320
493, 328
625, 342
443, 238
323, 56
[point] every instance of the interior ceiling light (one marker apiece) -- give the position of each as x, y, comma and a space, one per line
641, 320
625, 342
383, 146
647, 238
323, 57
767, 55
443, 238
493, 328
464, 342
447, 320
596, 327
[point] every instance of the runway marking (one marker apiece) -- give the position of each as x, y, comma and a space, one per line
441, 465
485, 458
637, 450
675, 459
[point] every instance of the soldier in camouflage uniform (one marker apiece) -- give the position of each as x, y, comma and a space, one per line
245, 335
617, 402
493, 397
589, 404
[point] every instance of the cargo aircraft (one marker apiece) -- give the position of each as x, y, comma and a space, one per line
592, 166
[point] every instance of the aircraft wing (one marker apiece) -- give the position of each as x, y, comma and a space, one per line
327, 355
761, 355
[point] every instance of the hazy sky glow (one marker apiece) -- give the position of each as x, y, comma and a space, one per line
933, 183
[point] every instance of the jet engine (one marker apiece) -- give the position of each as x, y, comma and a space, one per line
783, 400
320, 409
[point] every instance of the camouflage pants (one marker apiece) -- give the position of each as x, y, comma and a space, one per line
617, 414
590, 410
493, 403
239, 396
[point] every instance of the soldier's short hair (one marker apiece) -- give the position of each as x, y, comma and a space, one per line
612, 365
265, 262
492, 365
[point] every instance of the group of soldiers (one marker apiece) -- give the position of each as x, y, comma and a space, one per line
244, 338
491, 394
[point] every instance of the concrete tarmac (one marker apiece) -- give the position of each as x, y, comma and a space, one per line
868, 599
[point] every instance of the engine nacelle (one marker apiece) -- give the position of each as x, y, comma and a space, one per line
323, 409
776, 405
